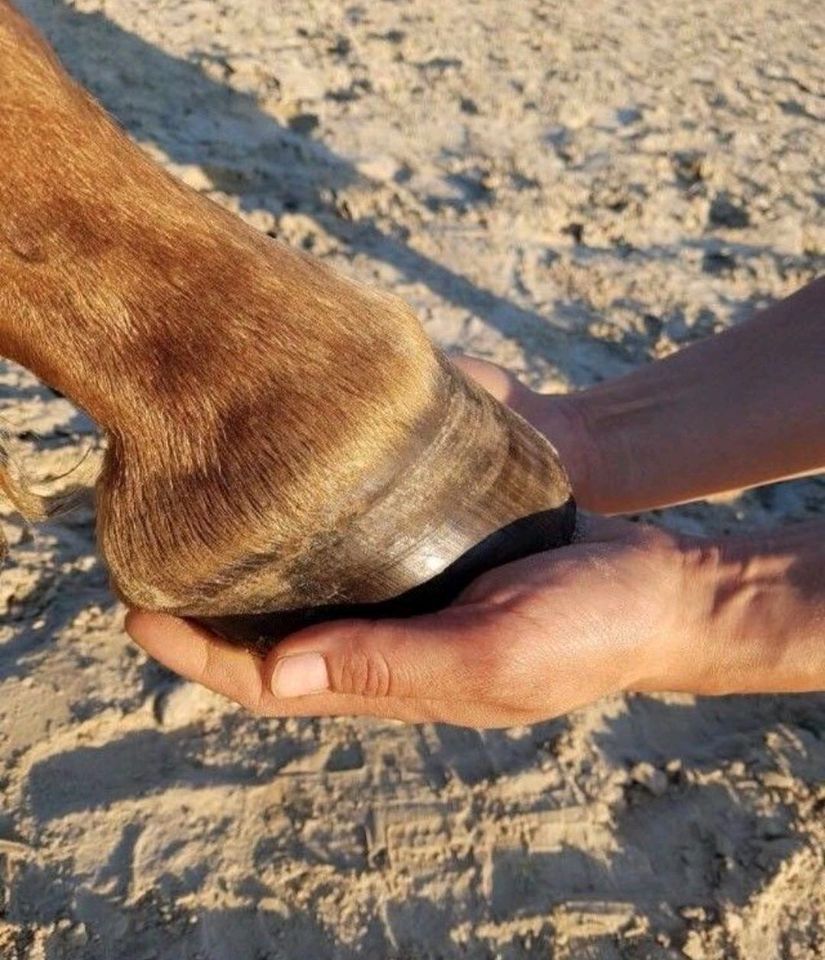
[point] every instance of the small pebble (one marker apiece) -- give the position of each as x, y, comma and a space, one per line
649, 777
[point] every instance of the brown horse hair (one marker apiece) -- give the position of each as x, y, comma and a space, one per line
277, 435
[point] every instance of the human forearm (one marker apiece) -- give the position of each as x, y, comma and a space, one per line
739, 409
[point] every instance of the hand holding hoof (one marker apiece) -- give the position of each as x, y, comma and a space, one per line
523, 643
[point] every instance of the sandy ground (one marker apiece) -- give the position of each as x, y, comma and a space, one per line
573, 190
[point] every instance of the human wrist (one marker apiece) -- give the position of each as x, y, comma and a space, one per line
751, 617
675, 653
598, 443
768, 628
562, 419
723, 624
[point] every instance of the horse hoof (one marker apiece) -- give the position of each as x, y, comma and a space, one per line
475, 488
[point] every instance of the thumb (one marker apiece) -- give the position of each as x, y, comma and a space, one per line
416, 669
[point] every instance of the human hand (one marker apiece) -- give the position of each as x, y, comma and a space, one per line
525, 642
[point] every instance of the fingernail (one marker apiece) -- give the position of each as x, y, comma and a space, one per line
300, 674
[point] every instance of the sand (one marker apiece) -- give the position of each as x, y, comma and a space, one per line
572, 190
